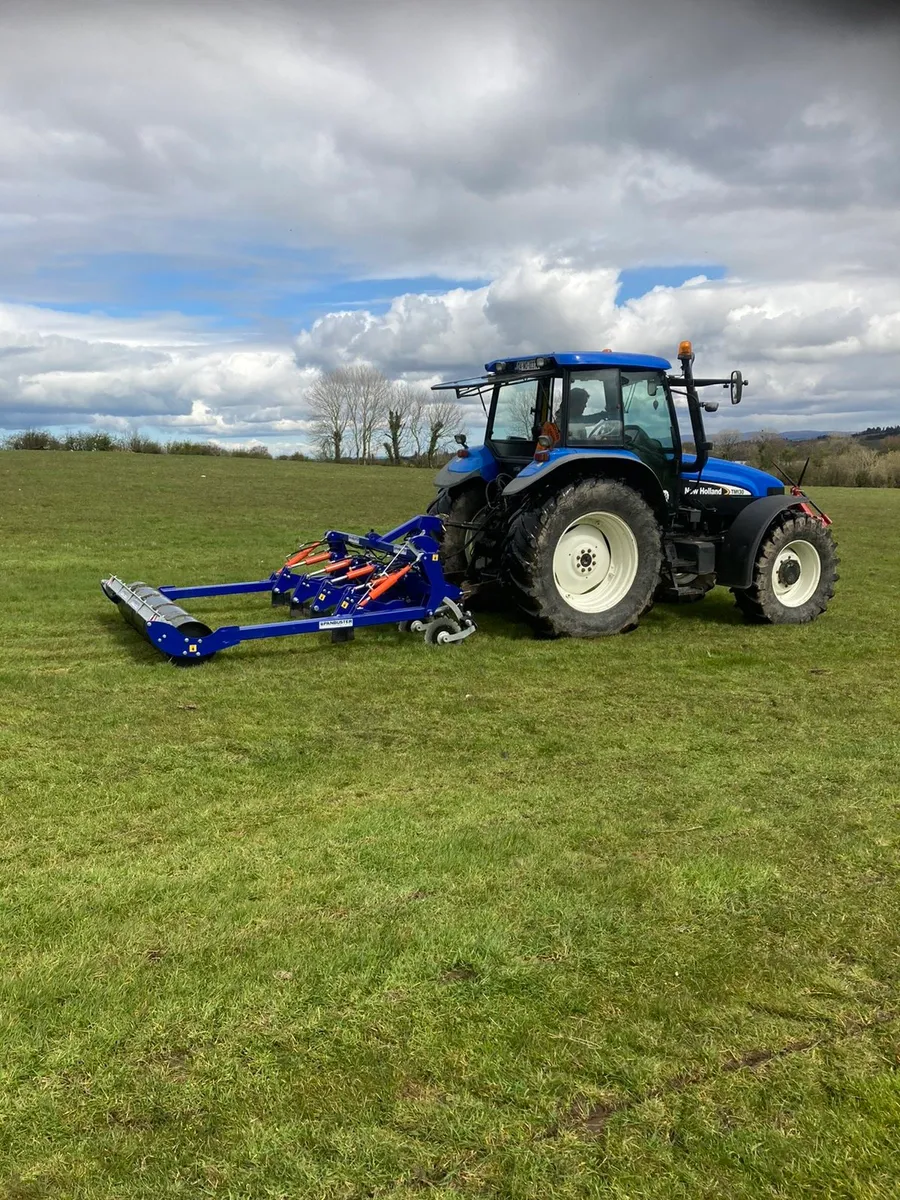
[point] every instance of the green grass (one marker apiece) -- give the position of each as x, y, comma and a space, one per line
514, 919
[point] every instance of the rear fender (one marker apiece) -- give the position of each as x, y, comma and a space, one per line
479, 463
616, 464
737, 553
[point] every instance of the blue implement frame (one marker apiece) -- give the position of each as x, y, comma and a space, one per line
367, 579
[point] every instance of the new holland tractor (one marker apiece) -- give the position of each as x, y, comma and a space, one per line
583, 507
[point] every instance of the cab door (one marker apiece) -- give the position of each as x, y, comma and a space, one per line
518, 410
651, 427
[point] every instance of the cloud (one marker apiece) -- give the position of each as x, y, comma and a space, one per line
821, 349
448, 138
131, 373
542, 148
826, 352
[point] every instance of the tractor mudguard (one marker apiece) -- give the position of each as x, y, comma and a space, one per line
737, 552
587, 460
479, 463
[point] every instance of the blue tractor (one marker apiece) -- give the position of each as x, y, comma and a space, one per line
583, 507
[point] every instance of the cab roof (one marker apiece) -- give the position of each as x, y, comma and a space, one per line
589, 358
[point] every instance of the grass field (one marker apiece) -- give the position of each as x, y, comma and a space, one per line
515, 918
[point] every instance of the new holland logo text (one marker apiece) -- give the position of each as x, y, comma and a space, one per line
708, 488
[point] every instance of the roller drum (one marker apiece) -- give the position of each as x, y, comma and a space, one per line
140, 604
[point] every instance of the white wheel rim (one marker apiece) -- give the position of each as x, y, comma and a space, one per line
796, 573
595, 562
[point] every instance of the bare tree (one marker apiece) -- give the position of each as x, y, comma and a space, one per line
349, 407
368, 396
439, 421
404, 403
329, 402
726, 444
769, 446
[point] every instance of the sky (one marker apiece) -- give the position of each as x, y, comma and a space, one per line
204, 203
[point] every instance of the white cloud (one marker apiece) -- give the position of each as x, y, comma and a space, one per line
449, 137
816, 351
96, 372
829, 350
541, 147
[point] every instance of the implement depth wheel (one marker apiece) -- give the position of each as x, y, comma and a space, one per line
437, 632
585, 562
793, 575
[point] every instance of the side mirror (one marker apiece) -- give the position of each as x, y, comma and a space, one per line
711, 405
652, 387
460, 439
737, 387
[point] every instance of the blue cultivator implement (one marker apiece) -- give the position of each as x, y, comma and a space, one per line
336, 585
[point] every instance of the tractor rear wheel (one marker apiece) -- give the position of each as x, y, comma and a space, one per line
794, 573
457, 543
586, 561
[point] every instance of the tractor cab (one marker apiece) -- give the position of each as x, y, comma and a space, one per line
540, 407
578, 407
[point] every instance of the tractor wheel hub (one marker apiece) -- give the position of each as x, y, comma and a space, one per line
789, 572
796, 573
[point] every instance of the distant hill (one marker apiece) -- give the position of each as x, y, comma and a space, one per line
807, 435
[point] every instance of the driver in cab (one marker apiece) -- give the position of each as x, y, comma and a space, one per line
595, 426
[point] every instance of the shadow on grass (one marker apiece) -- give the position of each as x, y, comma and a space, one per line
494, 623
713, 610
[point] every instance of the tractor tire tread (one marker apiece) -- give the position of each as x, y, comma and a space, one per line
462, 505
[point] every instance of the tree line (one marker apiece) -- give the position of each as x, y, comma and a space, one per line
358, 416
869, 459
135, 443
358, 413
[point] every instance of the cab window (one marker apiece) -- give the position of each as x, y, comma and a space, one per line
594, 411
514, 411
647, 416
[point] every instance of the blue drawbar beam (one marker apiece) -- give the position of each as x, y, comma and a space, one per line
216, 589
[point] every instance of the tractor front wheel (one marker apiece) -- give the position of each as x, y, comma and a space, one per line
586, 561
794, 573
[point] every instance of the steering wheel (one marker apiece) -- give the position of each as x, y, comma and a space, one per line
602, 430
639, 438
